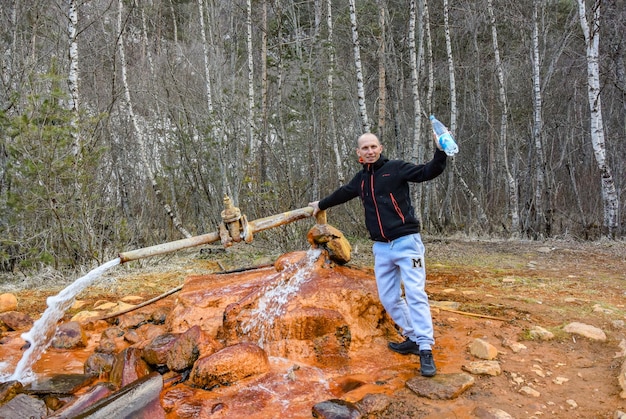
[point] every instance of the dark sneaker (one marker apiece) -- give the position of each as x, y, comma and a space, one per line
405, 348
427, 364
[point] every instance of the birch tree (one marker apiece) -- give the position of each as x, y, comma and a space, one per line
137, 129
591, 33
72, 79
511, 181
540, 221
365, 125
330, 97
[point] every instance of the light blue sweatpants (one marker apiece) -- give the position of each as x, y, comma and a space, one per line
401, 262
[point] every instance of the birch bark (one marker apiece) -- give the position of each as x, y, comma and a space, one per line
330, 98
511, 181
592, 42
365, 125
139, 134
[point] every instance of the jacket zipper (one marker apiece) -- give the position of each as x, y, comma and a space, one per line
397, 207
380, 224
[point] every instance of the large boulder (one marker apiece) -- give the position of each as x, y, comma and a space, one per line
228, 366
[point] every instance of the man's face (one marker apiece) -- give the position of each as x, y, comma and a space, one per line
369, 148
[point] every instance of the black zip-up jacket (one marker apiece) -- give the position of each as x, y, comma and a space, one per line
384, 191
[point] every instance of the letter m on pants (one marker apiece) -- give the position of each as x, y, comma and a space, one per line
417, 263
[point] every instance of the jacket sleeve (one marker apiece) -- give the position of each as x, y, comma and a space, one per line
427, 171
344, 194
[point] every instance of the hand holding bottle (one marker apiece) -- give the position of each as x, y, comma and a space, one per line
445, 141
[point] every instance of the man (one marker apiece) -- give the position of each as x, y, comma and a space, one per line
383, 186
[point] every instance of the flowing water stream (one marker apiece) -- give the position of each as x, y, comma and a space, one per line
40, 335
274, 300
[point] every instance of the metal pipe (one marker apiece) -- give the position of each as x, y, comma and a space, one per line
252, 227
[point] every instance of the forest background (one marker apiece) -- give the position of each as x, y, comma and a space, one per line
124, 124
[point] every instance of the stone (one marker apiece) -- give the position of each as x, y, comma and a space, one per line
138, 400
483, 349
538, 332
24, 406
128, 367
155, 353
490, 413
585, 330
188, 347
15, 320
372, 404
99, 363
336, 409
8, 302
529, 391
441, 386
516, 347
229, 365
483, 368
331, 239
111, 340
9, 390
69, 335
85, 316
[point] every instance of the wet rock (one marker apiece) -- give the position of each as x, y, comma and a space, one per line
24, 406
490, 413
111, 341
9, 390
8, 302
99, 364
159, 316
441, 386
84, 401
59, 384
229, 365
145, 332
373, 404
483, 349
128, 367
483, 368
585, 330
188, 347
15, 320
137, 400
336, 409
155, 353
132, 320
310, 334
69, 335
331, 239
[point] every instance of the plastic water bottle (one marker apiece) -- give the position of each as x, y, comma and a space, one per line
446, 141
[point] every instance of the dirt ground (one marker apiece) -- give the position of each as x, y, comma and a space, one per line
499, 290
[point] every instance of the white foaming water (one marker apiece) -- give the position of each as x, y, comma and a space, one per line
43, 330
272, 304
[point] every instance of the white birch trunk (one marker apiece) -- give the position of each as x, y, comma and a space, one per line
592, 42
251, 141
511, 181
137, 129
330, 98
539, 219
447, 202
217, 130
413, 65
72, 79
382, 88
365, 125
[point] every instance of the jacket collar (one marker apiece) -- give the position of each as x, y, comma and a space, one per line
370, 167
